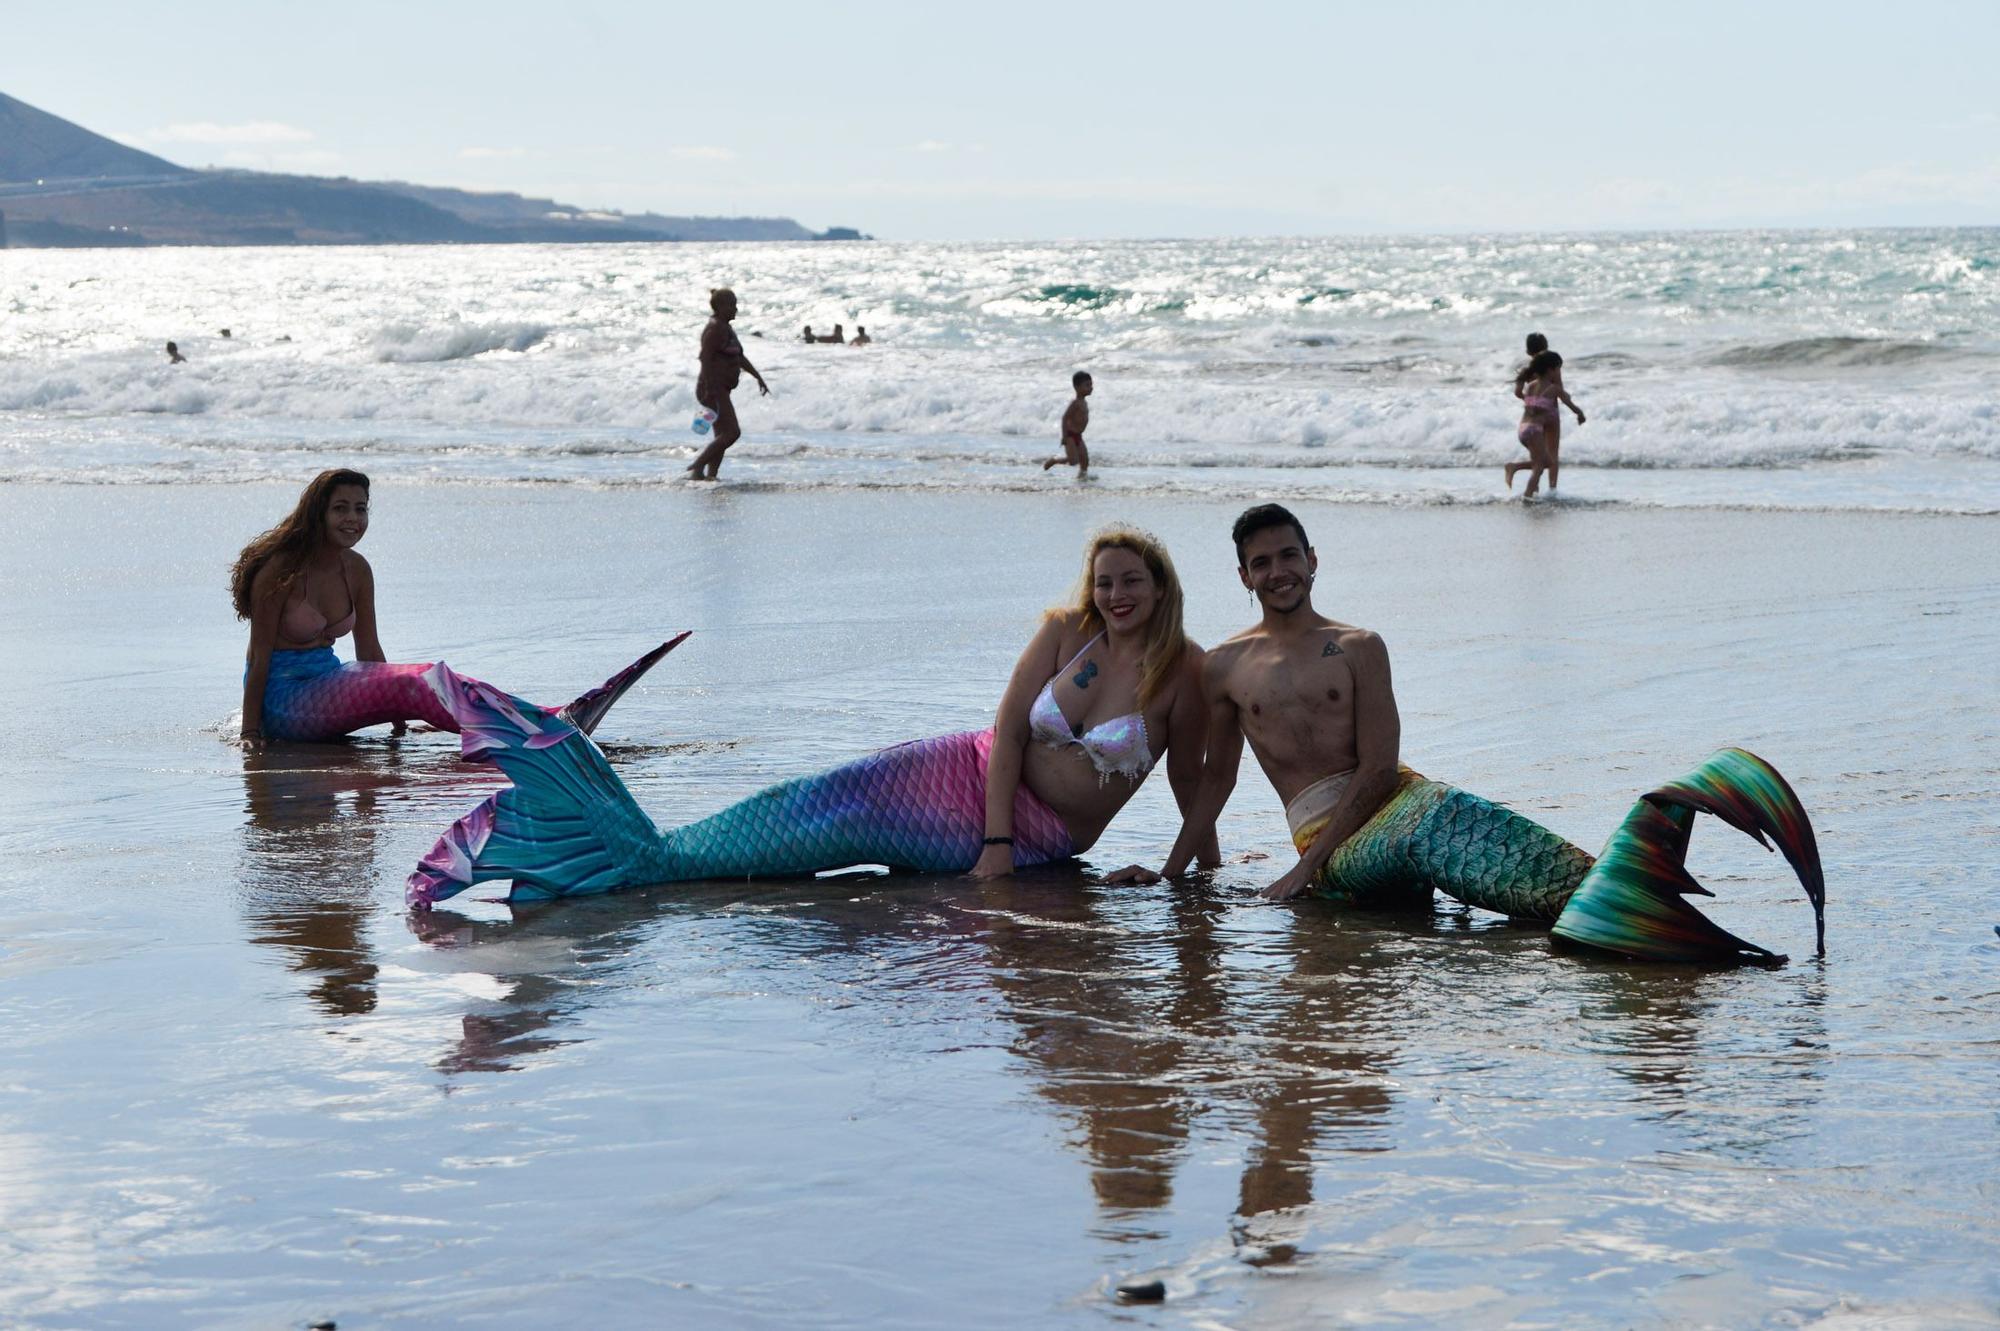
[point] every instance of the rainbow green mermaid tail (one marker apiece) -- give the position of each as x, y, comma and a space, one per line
567, 826
312, 695
1631, 900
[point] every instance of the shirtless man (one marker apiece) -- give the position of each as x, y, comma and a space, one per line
722, 366
1076, 418
1313, 697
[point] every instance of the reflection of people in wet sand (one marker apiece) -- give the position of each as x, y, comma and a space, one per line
174, 356
861, 338
1539, 386
722, 367
1137, 1020
310, 866
1076, 418
1311, 694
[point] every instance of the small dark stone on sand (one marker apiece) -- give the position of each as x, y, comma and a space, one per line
1143, 1291
323, 1324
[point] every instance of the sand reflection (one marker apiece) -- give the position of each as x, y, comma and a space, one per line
308, 863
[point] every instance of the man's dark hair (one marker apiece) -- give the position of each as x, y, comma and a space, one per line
1079, 379
1256, 519
1537, 344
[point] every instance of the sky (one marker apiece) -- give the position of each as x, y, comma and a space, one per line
1074, 120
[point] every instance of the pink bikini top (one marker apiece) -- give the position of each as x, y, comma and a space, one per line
1540, 403
1117, 746
302, 621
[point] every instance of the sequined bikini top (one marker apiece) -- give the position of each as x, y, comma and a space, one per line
1115, 747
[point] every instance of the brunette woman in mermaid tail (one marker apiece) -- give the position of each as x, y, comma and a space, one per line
303, 586
1035, 788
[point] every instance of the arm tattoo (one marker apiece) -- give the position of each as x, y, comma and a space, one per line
1333, 649
1083, 677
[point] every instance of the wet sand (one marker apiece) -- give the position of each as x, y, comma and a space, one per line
244, 1089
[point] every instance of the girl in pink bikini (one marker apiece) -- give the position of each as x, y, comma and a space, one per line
303, 586
1539, 386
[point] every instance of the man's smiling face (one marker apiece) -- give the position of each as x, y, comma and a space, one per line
1279, 567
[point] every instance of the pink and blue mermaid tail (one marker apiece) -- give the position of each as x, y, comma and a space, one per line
567, 826
313, 695
1631, 899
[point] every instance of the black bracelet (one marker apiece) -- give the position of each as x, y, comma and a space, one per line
998, 841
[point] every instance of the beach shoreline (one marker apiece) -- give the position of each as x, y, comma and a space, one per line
249, 1088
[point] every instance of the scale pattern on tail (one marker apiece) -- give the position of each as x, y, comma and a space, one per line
314, 696
1431, 836
567, 826
317, 697
920, 805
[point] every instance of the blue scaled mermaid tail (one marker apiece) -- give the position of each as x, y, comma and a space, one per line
567, 826
1630, 900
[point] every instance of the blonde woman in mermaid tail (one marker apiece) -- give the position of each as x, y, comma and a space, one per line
1106, 687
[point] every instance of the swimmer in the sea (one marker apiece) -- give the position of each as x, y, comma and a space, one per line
1076, 418
807, 336
861, 338
174, 356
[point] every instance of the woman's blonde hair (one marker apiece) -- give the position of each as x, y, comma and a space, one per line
1165, 640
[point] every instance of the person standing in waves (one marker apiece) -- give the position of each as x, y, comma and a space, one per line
722, 367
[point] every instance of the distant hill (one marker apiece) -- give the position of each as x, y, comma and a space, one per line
62, 185
35, 145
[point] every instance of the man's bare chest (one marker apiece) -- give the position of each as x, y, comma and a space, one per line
1297, 693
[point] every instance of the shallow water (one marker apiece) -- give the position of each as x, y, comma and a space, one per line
1824, 369
243, 1088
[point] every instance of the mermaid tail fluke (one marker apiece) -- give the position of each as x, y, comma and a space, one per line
565, 824
589, 708
1634, 899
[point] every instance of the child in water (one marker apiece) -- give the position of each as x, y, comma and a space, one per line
1075, 419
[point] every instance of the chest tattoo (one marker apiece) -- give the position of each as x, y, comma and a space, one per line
1333, 649
1083, 677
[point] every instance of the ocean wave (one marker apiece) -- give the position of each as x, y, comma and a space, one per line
1834, 352
1393, 410
410, 344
